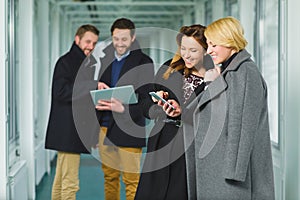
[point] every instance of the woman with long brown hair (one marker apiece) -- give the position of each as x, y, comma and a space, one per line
178, 81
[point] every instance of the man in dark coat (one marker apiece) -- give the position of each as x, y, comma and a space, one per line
62, 132
122, 134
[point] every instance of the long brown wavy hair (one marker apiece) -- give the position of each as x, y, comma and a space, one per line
197, 32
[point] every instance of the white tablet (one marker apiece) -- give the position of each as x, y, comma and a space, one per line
125, 94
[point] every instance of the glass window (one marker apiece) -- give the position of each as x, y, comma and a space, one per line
268, 54
208, 12
38, 75
12, 84
232, 8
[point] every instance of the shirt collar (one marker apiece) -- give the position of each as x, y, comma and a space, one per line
121, 57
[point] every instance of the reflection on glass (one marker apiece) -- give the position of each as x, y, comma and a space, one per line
232, 8
13, 74
208, 12
269, 54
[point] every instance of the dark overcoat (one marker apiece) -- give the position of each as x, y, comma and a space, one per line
65, 132
231, 156
164, 172
128, 129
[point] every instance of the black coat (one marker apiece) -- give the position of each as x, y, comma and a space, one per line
164, 172
128, 129
66, 131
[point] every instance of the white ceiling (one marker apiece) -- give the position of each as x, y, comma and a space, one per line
144, 13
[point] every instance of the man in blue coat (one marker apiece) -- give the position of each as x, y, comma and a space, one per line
122, 134
62, 134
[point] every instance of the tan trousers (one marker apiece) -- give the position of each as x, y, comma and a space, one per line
117, 162
66, 181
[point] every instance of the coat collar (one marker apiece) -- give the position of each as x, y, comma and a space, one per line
214, 89
241, 57
219, 85
132, 59
77, 51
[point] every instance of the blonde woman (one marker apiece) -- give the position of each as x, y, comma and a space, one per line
232, 156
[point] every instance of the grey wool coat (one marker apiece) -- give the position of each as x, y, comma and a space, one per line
228, 145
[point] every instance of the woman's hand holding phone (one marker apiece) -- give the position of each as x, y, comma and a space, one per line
158, 98
171, 107
172, 112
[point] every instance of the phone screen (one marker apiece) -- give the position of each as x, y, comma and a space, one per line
162, 99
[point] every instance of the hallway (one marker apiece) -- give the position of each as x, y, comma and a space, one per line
34, 38
91, 181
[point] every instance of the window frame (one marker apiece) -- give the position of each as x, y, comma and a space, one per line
262, 29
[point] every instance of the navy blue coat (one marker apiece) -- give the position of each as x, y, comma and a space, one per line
128, 129
65, 131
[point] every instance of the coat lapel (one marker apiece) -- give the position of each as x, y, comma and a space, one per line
130, 62
216, 94
215, 91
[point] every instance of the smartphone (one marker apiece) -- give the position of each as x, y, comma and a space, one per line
162, 99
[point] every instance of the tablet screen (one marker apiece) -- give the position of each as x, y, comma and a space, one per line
125, 94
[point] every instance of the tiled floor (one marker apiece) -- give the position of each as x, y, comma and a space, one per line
91, 181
